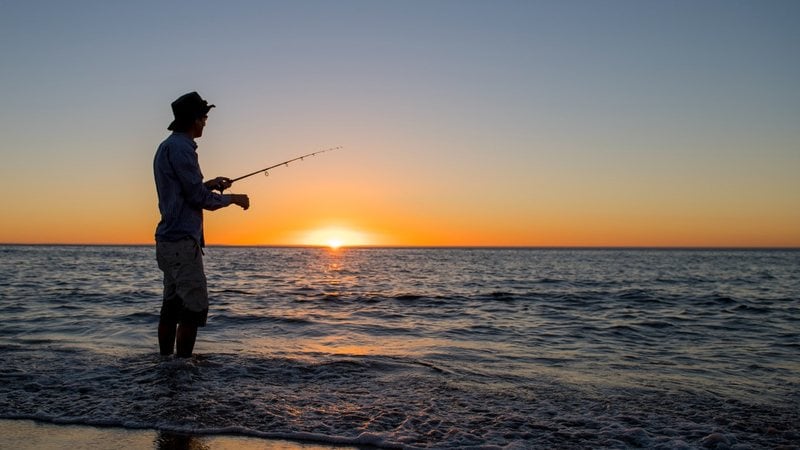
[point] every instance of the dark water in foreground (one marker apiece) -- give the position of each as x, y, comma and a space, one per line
418, 348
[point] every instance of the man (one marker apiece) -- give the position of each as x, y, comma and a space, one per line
182, 197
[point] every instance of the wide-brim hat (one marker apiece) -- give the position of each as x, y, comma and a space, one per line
188, 108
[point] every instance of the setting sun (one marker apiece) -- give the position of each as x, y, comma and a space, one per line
333, 237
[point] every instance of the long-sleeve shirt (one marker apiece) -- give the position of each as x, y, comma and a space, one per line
182, 196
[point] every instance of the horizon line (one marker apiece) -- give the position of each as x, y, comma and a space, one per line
454, 247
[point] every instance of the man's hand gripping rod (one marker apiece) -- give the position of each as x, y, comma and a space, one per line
222, 183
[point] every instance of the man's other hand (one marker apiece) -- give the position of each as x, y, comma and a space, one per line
240, 199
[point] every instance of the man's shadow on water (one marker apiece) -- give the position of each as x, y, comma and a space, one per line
176, 441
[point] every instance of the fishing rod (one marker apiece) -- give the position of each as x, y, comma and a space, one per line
285, 163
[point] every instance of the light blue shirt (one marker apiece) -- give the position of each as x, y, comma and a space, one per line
182, 197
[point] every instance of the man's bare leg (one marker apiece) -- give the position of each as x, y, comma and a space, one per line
166, 338
187, 334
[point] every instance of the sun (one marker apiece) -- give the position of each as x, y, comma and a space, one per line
333, 237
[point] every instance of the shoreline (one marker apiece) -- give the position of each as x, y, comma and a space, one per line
27, 434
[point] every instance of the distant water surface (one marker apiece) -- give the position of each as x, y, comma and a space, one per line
417, 348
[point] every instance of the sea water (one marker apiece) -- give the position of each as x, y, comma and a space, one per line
416, 348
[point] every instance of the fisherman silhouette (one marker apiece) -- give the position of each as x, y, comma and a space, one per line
182, 197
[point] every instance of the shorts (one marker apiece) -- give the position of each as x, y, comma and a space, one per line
185, 287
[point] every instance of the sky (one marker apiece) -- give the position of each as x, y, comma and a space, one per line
485, 123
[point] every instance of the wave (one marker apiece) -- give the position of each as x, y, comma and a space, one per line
227, 318
385, 402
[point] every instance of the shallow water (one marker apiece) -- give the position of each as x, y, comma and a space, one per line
418, 348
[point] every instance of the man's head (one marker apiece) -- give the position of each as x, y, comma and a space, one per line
190, 111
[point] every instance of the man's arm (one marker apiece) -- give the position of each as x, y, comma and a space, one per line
187, 170
222, 183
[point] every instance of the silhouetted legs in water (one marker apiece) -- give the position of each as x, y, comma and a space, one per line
171, 334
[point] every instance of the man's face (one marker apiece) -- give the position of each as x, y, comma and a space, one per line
199, 124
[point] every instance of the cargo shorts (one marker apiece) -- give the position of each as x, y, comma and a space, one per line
185, 287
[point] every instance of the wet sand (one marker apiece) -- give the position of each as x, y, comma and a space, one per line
30, 435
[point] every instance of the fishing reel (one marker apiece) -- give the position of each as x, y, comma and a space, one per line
219, 184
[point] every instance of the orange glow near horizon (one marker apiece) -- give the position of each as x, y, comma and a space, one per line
235, 227
340, 204
333, 237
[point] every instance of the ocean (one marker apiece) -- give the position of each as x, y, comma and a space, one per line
416, 347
